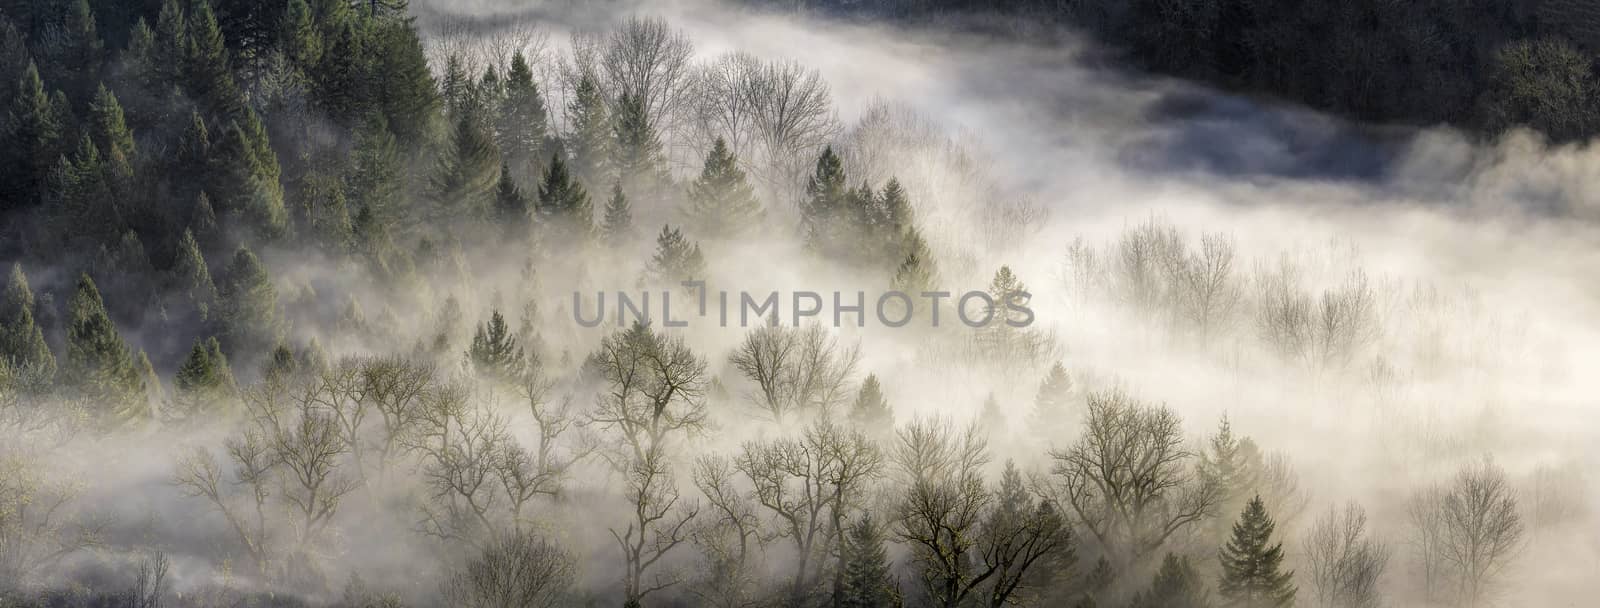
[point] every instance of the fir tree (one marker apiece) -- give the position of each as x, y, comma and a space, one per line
83, 51
207, 76
617, 227
590, 140
464, 182
511, 206
110, 129
866, 577
636, 153
1177, 585
99, 365
1250, 569
1233, 465
248, 313
494, 353
563, 201
826, 200
340, 85
171, 47
244, 177
722, 204
375, 184
410, 99
454, 86
299, 37
192, 278
991, 417
33, 131
871, 410
84, 207
676, 258
917, 273
22, 344
523, 122
1052, 404
203, 383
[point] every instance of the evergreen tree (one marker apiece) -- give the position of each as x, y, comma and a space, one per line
523, 122
464, 181
871, 410
494, 353
866, 577
564, 203
340, 85
32, 132
100, 367
248, 314
1233, 465
826, 200
187, 172
454, 86
1177, 585
299, 38
83, 205
676, 258
991, 417
617, 228
110, 129
637, 152
192, 278
170, 55
244, 178
590, 140
203, 385
327, 211
917, 272
375, 184
82, 50
722, 203
203, 221
1052, 404
22, 344
511, 206
207, 76
1250, 569
410, 99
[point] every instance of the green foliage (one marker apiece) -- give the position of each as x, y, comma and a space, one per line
1250, 569
464, 181
511, 206
617, 226
871, 410
523, 123
110, 130
32, 132
1177, 585
1547, 85
637, 153
563, 203
676, 258
22, 344
494, 353
248, 317
1052, 411
100, 368
192, 278
722, 203
866, 577
590, 137
203, 385
207, 76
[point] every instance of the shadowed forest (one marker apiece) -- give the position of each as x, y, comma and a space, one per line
295, 292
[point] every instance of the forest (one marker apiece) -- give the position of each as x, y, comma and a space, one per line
291, 308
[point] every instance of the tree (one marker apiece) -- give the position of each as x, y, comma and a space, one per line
516, 570
410, 99
826, 200
464, 180
100, 367
866, 579
1250, 569
871, 410
676, 258
244, 174
590, 136
1128, 478
1467, 534
637, 149
248, 314
1177, 585
1023, 544
617, 227
797, 371
523, 124
207, 76
192, 278
563, 203
1052, 404
33, 128
375, 185
1346, 566
203, 385
942, 506
917, 272
511, 206
495, 353
1546, 84
22, 344
110, 130
722, 204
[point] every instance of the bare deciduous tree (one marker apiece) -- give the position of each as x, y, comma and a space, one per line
943, 504
516, 570
796, 371
1466, 535
1129, 480
39, 525
1345, 566
729, 537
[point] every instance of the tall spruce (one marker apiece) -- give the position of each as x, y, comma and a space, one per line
722, 203
203, 384
523, 123
207, 74
494, 353
1251, 576
511, 207
676, 258
866, 579
192, 279
826, 199
463, 183
563, 204
871, 411
33, 131
1177, 585
637, 151
1052, 413
100, 367
22, 343
590, 139
617, 227
248, 317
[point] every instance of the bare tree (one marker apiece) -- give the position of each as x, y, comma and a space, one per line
396, 388
726, 94
200, 475
809, 485
1024, 542
1207, 291
1345, 565
796, 371
1129, 480
652, 393
515, 571
462, 449
729, 537
1472, 532
943, 503
645, 59
39, 524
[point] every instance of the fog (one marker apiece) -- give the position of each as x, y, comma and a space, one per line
1017, 148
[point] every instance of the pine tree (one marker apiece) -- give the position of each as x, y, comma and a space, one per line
375, 184
192, 278
871, 411
617, 227
99, 366
511, 206
523, 121
203, 383
1052, 404
410, 99
636, 153
722, 204
110, 129
171, 47
494, 353
676, 258
22, 344
866, 578
83, 50
243, 178
84, 206
463, 184
454, 86
1177, 585
299, 37
1250, 569
590, 142
1233, 464
32, 131
340, 86
826, 200
248, 314
190, 164
992, 418
564, 203
917, 273
207, 76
